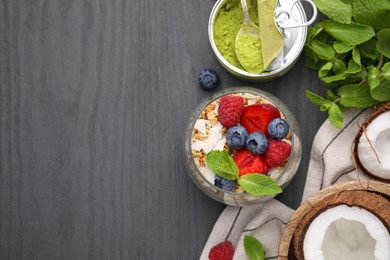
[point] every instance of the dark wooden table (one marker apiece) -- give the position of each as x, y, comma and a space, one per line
94, 96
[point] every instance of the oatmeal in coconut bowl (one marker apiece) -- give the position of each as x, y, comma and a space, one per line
242, 147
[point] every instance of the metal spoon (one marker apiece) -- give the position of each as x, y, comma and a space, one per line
248, 29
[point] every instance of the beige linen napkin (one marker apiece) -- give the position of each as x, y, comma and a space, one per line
330, 163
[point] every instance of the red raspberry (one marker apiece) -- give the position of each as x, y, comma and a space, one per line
222, 251
277, 153
230, 110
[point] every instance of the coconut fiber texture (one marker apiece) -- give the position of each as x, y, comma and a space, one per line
330, 163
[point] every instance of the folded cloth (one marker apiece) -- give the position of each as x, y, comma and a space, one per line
330, 163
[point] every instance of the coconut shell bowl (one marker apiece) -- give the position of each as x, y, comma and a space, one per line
339, 211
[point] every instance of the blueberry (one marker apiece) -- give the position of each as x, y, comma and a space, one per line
257, 143
236, 137
278, 128
208, 79
224, 184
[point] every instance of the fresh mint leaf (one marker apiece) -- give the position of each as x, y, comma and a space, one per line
324, 70
222, 164
329, 95
335, 115
356, 95
348, 36
373, 77
386, 71
356, 57
259, 184
368, 49
323, 50
335, 9
373, 13
354, 66
382, 91
383, 44
318, 100
253, 248
379, 88
339, 66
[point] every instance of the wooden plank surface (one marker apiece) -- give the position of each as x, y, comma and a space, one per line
94, 96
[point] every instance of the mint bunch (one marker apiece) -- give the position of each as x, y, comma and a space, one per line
222, 164
351, 52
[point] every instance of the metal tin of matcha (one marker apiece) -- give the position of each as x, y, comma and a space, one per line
294, 40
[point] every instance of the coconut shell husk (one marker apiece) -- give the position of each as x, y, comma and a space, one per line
355, 156
378, 193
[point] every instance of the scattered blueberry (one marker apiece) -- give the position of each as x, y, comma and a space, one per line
278, 128
208, 79
257, 143
224, 184
236, 137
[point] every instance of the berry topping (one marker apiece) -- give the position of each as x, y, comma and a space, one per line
224, 184
230, 110
236, 137
255, 118
278, 128
208, 79
277, 153
222, 251
257, 143
248, 162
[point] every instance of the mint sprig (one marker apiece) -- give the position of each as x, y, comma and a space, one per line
222, 164
256, 184
253, 248
351, 52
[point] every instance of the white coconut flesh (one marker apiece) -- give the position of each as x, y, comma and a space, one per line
346, 233
378, 133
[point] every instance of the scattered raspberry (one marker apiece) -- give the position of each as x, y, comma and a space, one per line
248, 162
230, 110
222, 251
277, 153
255, 118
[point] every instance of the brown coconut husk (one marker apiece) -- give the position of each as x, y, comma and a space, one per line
362, 130
342, 193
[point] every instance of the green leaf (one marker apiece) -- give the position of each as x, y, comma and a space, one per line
353, 67
259, 184
323, 50
373, 13
335, 115
329, 95
356, 95
222, 164
368, 49
386, 71
318, 100
253, 248
325, 69
339, 66
316, 32
356, 57
379, 87
348, 36
373, 77
383, 44
335, 10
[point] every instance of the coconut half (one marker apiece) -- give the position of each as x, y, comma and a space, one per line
348, 225
371, 148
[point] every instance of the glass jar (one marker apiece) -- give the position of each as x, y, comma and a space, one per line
282, 176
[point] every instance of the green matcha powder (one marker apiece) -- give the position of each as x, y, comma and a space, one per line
226, 26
